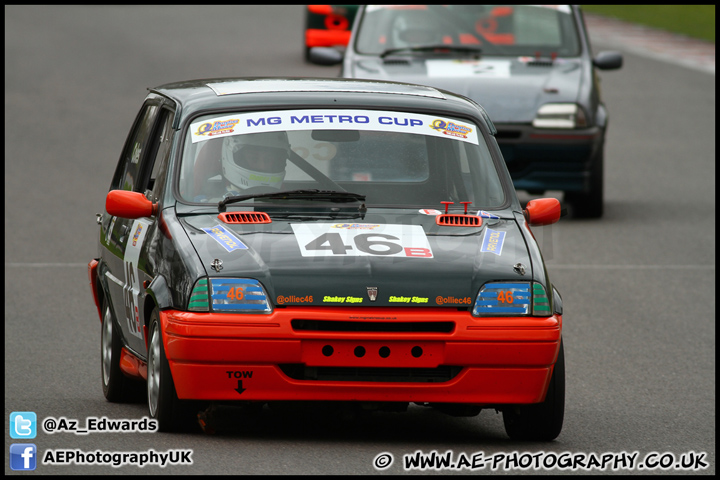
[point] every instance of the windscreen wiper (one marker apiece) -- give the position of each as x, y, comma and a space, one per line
328, 195
441, 48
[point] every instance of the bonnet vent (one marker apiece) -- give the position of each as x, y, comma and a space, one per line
458, 220
245, 217
396, 62
540, 63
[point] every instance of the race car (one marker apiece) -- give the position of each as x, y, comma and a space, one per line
271, 240
530, 66
328, 26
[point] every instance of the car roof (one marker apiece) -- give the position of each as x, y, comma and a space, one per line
194, 96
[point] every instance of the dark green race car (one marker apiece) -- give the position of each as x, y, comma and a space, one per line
273, 240
530, 66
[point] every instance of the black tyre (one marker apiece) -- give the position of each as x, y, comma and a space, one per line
540, 421
116, 386
590, 204
171, 413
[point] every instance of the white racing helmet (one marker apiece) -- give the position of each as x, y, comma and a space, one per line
239, 168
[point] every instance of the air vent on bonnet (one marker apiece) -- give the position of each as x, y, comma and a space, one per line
458, 220
245, 217
540, 63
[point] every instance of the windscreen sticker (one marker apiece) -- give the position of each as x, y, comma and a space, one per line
493, 242
225, 238
360, 240
468, 68
334, 119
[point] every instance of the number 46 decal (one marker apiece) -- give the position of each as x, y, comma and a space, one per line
320, 240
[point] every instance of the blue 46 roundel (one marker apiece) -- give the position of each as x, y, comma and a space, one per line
238, 294
503, 299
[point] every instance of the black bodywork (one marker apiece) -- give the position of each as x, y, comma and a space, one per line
151, 263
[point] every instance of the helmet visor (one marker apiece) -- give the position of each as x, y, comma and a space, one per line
261, 159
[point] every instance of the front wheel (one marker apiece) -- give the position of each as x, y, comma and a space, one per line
540, 421
171, 413
116, 387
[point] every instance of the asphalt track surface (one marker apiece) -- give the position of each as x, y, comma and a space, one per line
638, 285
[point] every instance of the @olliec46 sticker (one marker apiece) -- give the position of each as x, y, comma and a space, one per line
362, 239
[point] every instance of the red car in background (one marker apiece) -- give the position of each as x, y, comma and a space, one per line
328, 25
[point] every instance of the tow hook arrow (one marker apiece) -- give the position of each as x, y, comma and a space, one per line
240, 388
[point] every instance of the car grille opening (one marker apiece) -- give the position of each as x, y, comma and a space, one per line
348, 326
440, 374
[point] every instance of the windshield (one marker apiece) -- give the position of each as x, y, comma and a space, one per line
511, 30
392, 158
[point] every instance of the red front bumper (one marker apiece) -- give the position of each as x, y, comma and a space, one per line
239, 357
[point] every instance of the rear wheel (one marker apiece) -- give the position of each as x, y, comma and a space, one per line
540, 421
171, 413
590, 204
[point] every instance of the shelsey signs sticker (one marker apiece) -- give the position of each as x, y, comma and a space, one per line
327, 240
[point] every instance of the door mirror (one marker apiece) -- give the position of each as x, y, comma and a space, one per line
608, 60
125, 204
542, 211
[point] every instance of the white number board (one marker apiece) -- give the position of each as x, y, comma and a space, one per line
361, 239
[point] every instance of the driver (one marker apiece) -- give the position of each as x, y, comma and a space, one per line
254, 160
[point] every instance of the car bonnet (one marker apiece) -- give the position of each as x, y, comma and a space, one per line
510, 89
393, 259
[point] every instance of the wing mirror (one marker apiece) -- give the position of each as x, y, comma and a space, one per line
325, 56
542, 211
608, 60
126, 204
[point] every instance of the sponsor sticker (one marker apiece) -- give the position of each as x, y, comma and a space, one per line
225, 238
219, 127
430, 211
451, 128
137, 234
484, 214
401, 299
493, 242
342, 299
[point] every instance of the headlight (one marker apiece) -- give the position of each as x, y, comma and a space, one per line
560, 115
229, 295
497, 299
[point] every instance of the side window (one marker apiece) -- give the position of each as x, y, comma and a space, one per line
159, 150
128, 171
